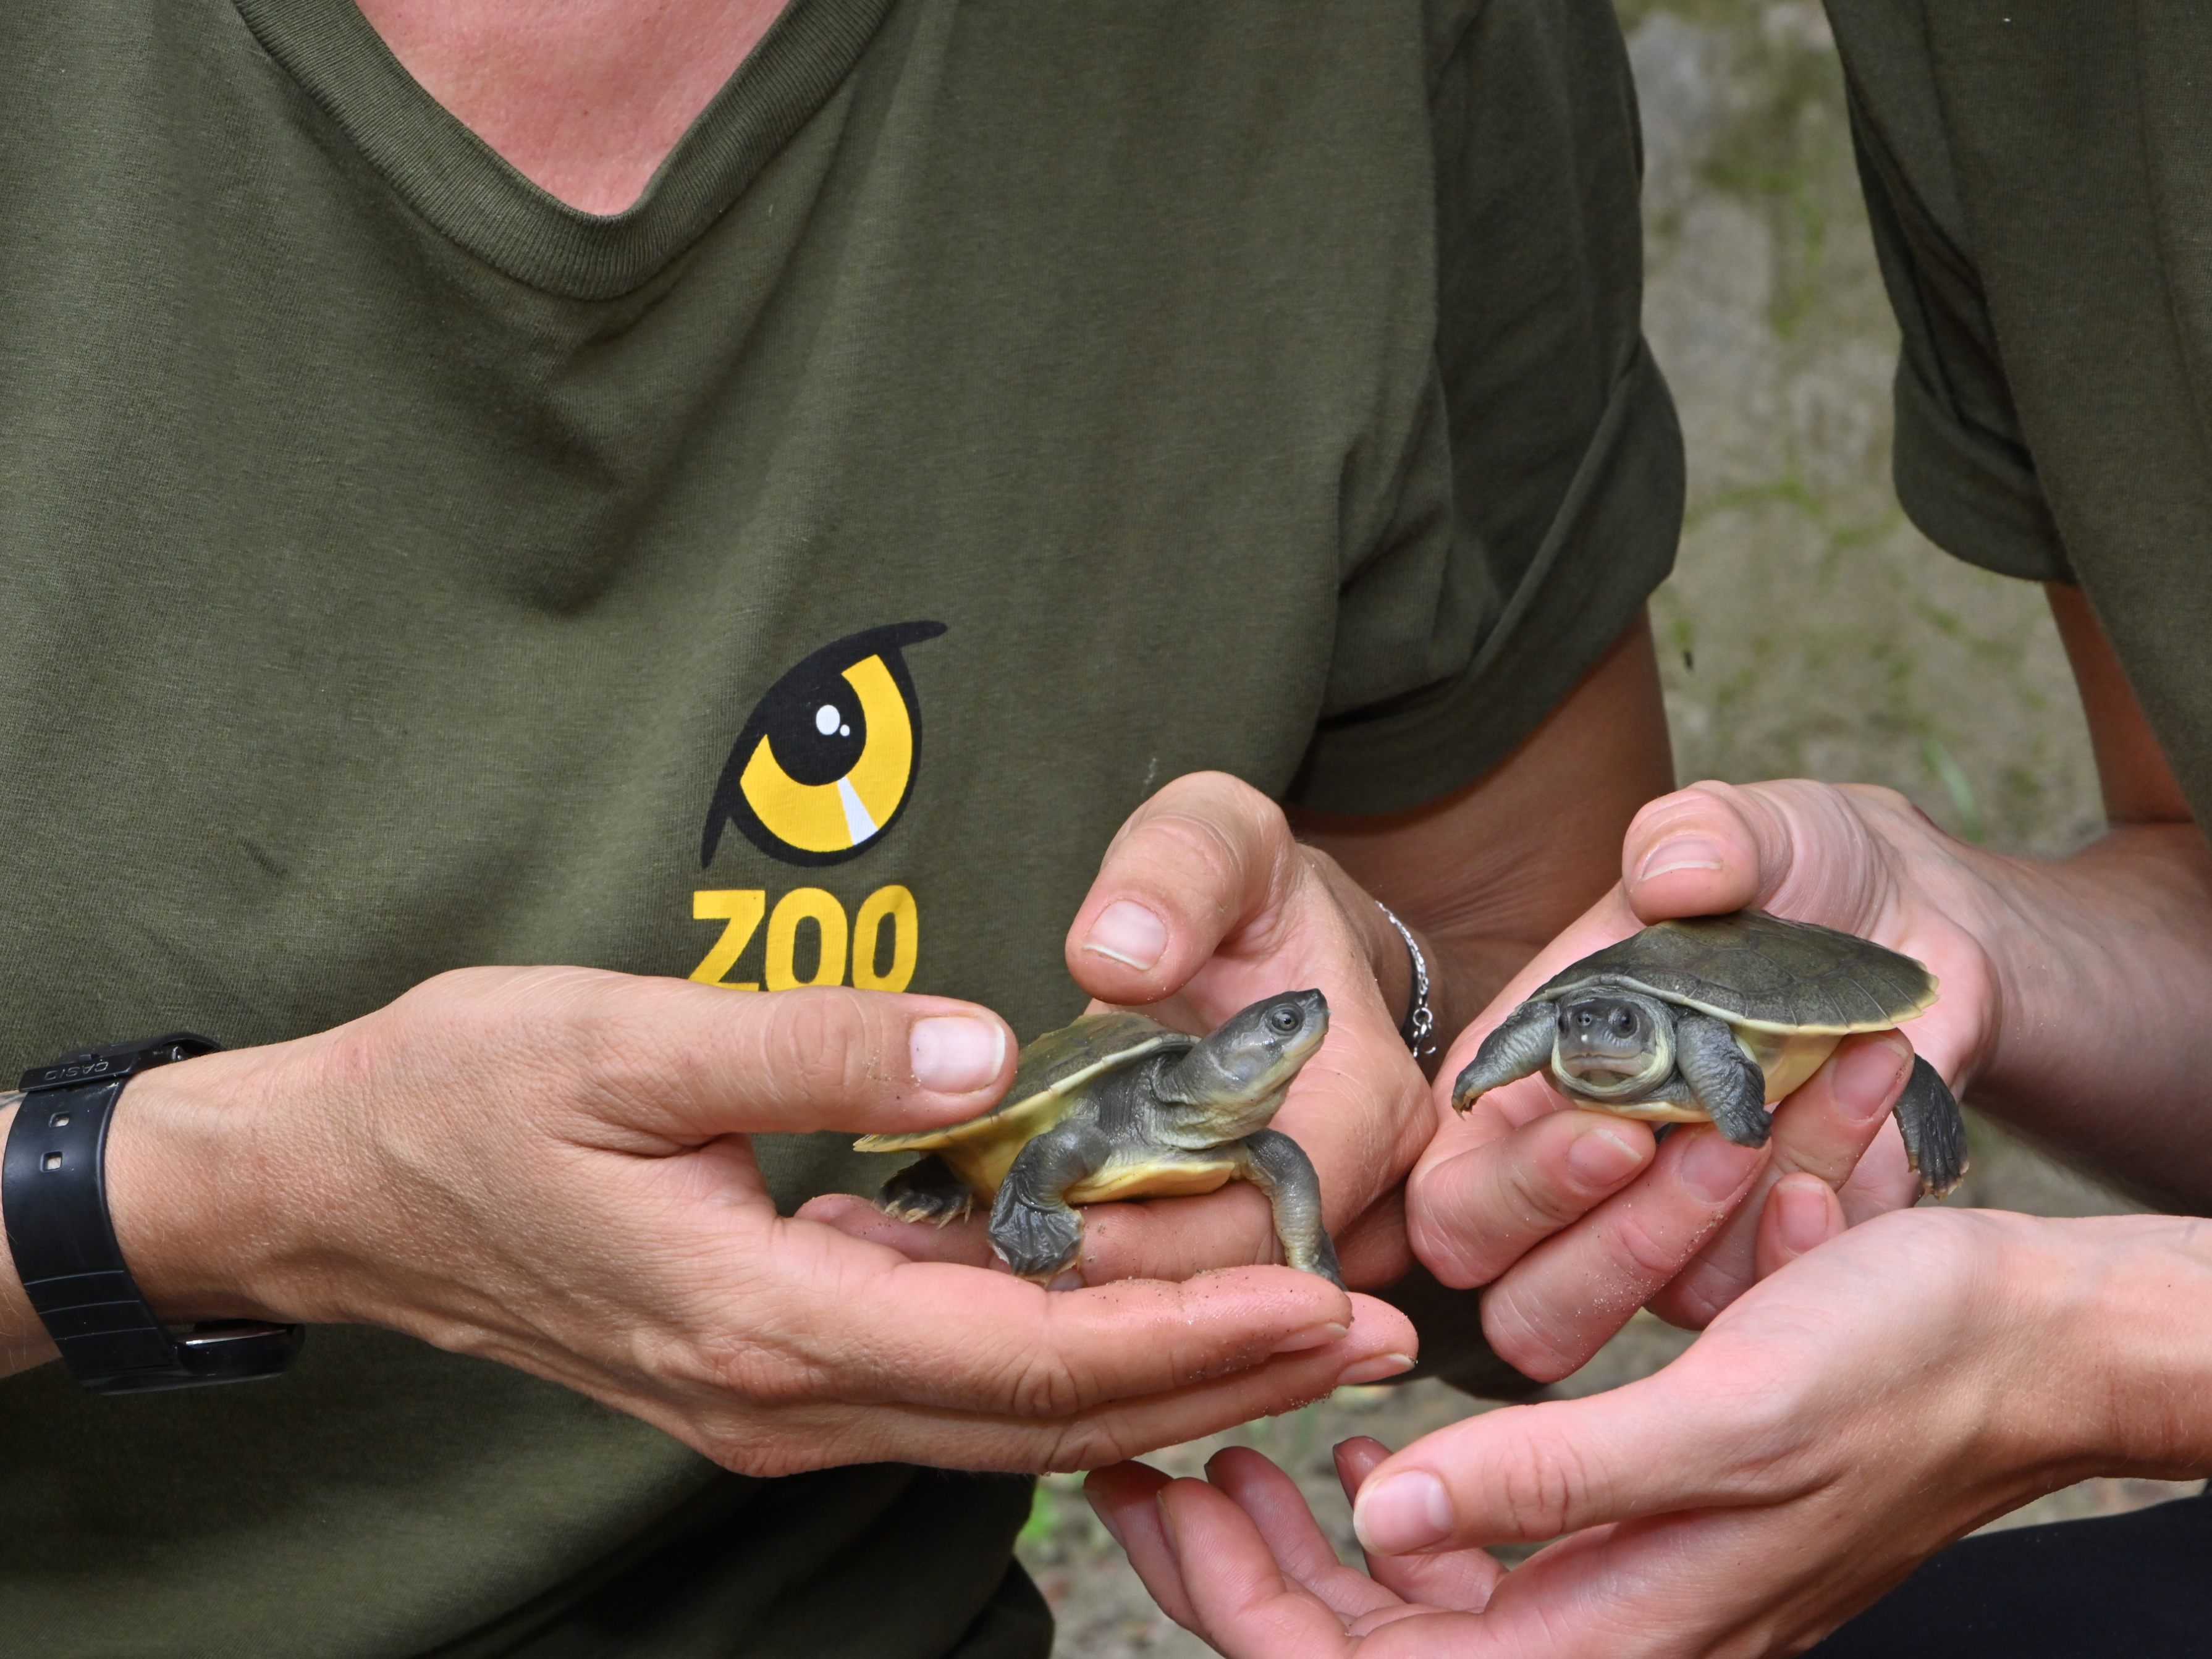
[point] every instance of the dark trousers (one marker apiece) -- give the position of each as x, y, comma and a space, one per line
2134, 1586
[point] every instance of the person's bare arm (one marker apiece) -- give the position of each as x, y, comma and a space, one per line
550, 1168
1489, 875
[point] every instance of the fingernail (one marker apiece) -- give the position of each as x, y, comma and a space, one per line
1319, 1336
956, 1053
1682, 853
1407, 1512
1105, 1519
1374, 1369
1866, 1077
1130, 933
1803, 1223
1070, 1280
1600, 1158
1714, 1168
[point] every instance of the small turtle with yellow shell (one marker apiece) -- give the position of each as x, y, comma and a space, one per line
1118, 1105
1716, 1017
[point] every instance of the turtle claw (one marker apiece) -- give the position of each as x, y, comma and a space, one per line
1036, 1242
925, 1208
927, 1190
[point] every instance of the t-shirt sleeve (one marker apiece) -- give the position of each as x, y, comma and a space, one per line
1964, 475
1541, 503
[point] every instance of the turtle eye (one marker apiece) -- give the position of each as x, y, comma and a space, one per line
1286, 1020
1624, 1021
827, 758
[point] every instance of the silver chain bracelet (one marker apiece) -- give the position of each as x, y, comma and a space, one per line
1420, 1018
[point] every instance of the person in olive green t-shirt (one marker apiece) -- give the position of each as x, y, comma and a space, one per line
763, 497
2036, 182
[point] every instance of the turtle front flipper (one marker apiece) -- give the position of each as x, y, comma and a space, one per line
1034, 1229
1725, 1081
1934, 1129
927, 1190
1279, 1167
1520, 1045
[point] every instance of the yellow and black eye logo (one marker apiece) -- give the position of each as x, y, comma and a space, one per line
827, 760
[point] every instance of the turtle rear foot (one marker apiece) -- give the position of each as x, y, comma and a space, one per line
1934, 1132
927, 1190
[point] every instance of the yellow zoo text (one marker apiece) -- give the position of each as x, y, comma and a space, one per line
834, 943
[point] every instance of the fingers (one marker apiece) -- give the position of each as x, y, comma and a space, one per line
1206, 855
1474, 1215
963, 1242
1529, 1472
1241, 1600
1015, 1411
1461, 1579
1175, 1238
1278, 1511
1801, 1214
1125, 1496
1557, 1306
1821, 1130
664, 1063
949, 1338
1883, 1181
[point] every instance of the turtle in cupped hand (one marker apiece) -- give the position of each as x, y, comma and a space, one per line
1118, 1105
1715, 1016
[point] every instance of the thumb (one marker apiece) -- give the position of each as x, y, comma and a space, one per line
1207, 857
1803, 849
671, 1062
1531, 1473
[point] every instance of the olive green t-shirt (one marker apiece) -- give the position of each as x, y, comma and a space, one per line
992, 411
2039, 179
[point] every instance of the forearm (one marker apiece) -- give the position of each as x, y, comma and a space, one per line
2131, 1297
1489, 876
2103, 972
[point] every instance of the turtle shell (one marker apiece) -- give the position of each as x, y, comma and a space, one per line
1053, 1072
1762, 972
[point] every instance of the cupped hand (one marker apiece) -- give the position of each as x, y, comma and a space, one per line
1874, 1400
1574, 1218
550, 1168
1204, 904
1238, 1561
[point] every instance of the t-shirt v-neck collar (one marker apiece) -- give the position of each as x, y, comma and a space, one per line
464, 188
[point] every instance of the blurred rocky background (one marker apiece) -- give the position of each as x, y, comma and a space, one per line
1809, 631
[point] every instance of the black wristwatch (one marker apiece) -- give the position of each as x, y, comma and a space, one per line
53, 1196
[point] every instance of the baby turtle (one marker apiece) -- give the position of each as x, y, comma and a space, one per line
1119, 1106
1713, 1017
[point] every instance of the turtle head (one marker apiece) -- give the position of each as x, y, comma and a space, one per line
1611, 1042
1232, 1082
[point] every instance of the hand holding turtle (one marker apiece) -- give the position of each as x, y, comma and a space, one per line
551, 1168
1819, 1440
1204, 905
1571, 1220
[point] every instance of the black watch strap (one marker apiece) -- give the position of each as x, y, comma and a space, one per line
53, 1196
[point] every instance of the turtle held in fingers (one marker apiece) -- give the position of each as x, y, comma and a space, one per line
1716, 1017
1118, 1105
